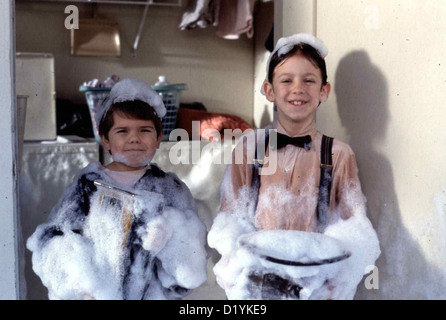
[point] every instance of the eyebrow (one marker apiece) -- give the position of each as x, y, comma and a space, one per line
292, 74
310, 74
285, 74
141, 127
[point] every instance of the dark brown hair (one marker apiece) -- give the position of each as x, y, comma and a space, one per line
130, 109
305, 50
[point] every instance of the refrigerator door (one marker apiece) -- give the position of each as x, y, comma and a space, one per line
35, 78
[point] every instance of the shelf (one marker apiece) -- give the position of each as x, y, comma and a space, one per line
170, 3
146, 3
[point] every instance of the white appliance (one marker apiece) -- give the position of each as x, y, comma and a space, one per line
48, 168
35, 78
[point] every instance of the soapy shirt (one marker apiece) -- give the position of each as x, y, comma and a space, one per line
74, 252
288, 197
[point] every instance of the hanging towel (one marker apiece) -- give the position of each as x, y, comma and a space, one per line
235, 18
200, 13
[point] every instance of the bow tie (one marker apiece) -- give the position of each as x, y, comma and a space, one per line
302, 142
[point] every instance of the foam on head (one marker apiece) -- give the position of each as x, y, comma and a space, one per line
131, 90
286, 44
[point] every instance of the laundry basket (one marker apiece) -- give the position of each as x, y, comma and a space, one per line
170, 93
94, 97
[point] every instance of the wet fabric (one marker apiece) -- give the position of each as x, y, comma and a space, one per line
288, 198
287, 204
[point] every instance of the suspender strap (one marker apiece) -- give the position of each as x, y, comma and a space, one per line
325, 182
257, 165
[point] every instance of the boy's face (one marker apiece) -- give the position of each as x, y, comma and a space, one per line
297, 91
132, 142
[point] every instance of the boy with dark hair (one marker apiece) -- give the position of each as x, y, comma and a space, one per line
132, 109
271, 225
127, 230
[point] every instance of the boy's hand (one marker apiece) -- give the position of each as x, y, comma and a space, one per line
157, 233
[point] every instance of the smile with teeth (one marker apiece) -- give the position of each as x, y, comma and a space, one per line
297, 102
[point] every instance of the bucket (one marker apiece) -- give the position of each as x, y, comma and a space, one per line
21, 101
293, 270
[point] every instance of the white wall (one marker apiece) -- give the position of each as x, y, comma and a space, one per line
218, 72
8, 247
294, 17
387, 66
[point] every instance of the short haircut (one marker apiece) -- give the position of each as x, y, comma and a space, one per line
130, 109
305, 50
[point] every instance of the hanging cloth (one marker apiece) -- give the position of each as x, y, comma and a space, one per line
200, 13
235, 18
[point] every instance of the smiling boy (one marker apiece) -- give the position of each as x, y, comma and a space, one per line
315, 186
297, 88
131, 132
161, 251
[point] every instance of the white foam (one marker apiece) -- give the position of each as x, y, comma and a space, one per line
187, 244
121, 158
69, 268
131, 90
93, 265
338, 280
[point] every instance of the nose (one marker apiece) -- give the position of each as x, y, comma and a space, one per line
297, 87
134, 138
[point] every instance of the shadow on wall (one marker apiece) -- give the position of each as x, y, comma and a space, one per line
363, 105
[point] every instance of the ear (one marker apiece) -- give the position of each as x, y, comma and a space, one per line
269, 91
105, 143
325, 92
